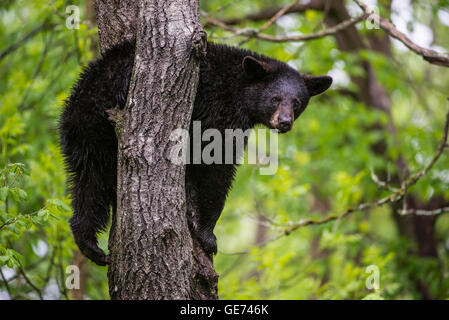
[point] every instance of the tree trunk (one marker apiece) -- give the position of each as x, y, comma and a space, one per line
151, 249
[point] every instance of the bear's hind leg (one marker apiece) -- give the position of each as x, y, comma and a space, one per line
89, 145
91, 203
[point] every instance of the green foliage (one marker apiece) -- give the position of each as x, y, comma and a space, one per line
36, 244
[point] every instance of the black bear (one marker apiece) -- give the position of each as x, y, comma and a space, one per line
237, 90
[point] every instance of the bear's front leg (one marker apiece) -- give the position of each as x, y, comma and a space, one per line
206, 193
208, 241
202, 229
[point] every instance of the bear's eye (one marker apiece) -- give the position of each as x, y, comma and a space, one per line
296, 103
276, 99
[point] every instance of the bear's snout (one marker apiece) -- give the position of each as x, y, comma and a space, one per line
282, 118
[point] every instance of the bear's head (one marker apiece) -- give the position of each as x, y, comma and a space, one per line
277, 94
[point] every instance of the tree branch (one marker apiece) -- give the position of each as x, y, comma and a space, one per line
428, 54
267, 24
270, 12
8, 289
420, 212
30, 283
21, 216
252, 33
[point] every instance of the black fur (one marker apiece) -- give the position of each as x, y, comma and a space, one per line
237, 89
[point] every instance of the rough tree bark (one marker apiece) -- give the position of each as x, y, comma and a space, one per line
151, 249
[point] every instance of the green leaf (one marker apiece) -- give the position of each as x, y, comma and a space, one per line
61, 205
3, 193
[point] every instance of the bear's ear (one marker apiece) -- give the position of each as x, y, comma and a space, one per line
317, 84
255, 68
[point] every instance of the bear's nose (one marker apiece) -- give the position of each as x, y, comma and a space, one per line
285, 124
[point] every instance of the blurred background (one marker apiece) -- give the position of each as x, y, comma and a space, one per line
384, 115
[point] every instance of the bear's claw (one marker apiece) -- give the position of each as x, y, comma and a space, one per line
209, 242
93, 252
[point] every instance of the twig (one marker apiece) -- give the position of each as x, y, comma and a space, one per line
8, 289
361, 207
267, 13
279, 14
50, 266
428, 54
30, 283
252, 33
420, 212
28, 268
267, 24
13, 220
381, 183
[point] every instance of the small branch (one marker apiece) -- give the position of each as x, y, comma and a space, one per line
419, 212
50, 266
321, 34
8, 289
428, 54
361, 207
31, 284
279, 14
381, 183
267, 13
251, 33
13, 220
29, 268
218, 23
